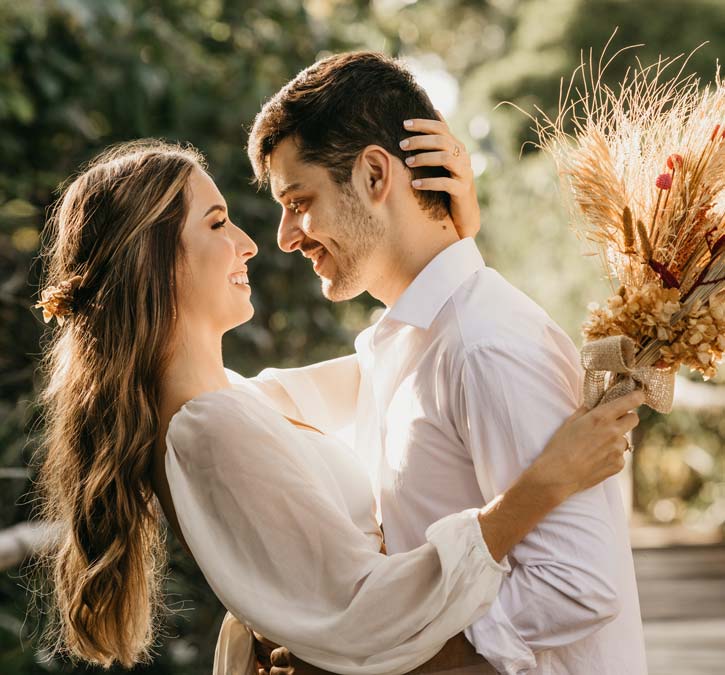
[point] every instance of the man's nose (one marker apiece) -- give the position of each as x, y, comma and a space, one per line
289, 234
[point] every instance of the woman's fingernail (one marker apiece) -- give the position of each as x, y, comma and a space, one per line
416, 183
408, 123
405, 143
410, 161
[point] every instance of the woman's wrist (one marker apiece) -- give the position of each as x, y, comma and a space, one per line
510, 516
550, 490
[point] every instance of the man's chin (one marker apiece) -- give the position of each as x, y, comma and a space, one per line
339, 292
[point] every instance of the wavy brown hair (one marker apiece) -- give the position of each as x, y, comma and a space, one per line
118, 225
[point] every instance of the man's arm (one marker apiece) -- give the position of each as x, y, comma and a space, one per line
563, 583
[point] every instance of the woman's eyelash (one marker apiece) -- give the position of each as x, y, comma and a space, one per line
219, 224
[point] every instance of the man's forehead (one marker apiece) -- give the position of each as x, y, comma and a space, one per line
288, 171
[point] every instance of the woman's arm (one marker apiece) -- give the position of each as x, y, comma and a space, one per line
585, 450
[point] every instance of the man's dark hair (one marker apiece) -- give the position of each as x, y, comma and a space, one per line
337, 107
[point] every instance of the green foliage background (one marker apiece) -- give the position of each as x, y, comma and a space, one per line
78, 75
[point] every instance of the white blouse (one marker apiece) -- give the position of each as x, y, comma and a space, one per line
281, 521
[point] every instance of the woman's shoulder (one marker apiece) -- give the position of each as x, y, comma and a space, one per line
212, 413
210, 425
229, 438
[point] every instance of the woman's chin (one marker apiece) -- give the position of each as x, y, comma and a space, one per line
243, 315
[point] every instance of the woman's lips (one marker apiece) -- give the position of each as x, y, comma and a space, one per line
239, 278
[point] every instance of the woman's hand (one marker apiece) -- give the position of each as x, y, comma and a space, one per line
587, 448
443, 149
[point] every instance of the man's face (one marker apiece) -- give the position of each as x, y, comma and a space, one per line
327, 222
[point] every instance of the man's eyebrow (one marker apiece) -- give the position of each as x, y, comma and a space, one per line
214, 207
289, 188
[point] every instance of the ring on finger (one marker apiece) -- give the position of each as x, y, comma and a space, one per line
456, 151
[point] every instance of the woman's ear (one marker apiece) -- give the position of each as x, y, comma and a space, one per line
374, 169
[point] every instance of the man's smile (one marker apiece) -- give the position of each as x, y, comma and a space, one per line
317, 255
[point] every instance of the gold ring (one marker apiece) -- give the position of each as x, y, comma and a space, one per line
456, 151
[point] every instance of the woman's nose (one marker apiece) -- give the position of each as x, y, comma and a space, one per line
246, 248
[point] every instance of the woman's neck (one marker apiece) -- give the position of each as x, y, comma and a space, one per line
196, 366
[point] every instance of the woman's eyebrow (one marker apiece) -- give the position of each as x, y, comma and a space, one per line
215, 207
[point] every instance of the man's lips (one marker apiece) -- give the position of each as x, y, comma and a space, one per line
316, 255
319, 260
313, 251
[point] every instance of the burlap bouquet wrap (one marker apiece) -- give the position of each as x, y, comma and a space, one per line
611, 372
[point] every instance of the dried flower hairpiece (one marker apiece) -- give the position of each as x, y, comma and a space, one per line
57, 301
644, 174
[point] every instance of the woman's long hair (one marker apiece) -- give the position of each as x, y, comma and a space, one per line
118, 225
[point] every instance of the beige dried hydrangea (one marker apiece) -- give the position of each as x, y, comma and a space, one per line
642, 312
697, 340
700, 340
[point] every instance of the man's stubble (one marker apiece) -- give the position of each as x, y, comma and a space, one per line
360, 233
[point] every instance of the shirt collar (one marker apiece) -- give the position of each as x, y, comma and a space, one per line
435, 284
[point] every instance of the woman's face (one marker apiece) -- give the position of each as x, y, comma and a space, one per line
213, 286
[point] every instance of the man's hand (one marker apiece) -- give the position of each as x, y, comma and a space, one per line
457, 656
271, 658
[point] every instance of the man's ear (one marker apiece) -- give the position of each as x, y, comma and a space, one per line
373, 173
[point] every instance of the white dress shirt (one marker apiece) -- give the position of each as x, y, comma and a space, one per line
281, 521
455, 390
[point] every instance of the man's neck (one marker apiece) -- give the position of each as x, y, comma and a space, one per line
413, 246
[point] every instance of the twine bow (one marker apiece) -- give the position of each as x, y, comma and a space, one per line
611, 373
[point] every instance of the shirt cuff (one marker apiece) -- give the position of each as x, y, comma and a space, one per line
495, 638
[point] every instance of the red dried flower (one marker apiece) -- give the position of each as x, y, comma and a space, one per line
664, 181
714, 133
675, 160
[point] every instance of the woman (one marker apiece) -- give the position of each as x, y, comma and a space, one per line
150, 272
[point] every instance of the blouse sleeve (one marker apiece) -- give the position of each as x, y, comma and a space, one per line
284, 558
322, 394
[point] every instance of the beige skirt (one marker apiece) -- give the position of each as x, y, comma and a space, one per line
234, 654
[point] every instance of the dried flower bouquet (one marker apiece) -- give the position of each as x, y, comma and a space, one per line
643, 172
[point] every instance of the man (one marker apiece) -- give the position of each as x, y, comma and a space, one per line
462, 381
